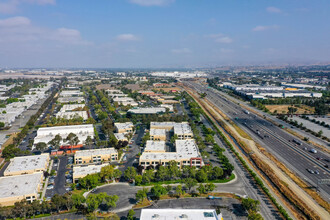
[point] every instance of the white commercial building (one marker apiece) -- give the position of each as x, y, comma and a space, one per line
48, 133
82, 171
124, 127
186, 154
180, 214
27, 165
71, 93
16, 188
74, 99
155, 146
125, 101
72, 107
72, 115
147, 110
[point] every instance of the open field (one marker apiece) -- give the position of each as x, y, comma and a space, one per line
283, 109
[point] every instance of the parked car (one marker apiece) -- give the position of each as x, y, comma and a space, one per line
317, 172
310, 171
51, 186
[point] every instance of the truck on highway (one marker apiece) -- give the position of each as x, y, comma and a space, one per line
297, 142
246, 111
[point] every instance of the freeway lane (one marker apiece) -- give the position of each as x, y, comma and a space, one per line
277, 141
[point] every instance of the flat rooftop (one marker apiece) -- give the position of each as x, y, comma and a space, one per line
26, 163
155, 146
12, 186
85, 170
157, 132
176, 214
185, 149
90, 153
148, 110
70, 107
182, 128
125, 125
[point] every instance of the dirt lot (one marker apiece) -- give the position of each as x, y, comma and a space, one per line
283, 109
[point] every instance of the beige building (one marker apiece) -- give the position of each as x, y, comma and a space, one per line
16, 188
155, 146
96, 156
27, 165
186, 154
182, 130
124, 127
82, 171
158, 134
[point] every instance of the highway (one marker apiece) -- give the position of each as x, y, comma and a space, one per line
277, 141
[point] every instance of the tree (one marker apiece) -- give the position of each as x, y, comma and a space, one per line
56, 141
89, 141
201, 176
178, 190
78, 200
92, 202
250, 204
209, 187
141, 194
57, 201
173, 138
117, 174
201, 189
89, 181
107, 172
130, 214
172, 169
130, 173
161, 173
217, 172
157, 191
254, 216
138, 180
72, 139
189, 183
2, 124
319, 134
41, 146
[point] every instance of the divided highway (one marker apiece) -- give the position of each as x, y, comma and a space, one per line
311, 167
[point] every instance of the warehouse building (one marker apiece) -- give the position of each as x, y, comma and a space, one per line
124, 127
72, 107
186, 154
16, 188
48, 133
72, 115
27, 165
96, 156
75, 99
71, 93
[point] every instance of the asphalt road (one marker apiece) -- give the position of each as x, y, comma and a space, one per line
278, 141
60, 184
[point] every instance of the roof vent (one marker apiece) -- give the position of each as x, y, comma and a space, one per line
155, 216
16, 186
184, 216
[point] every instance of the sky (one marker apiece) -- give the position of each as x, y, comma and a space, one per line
162, 33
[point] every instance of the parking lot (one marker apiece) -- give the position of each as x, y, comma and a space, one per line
61, 182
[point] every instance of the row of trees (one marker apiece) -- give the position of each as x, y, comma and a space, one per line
157, 191
68, 201
172, 172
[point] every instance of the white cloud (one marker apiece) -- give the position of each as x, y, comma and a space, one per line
265, 28
11, 6
221, 38
20, 29
152, 2
14, 21
273, 10
181, 50
127, 37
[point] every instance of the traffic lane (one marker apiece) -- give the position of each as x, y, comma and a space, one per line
286, 153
